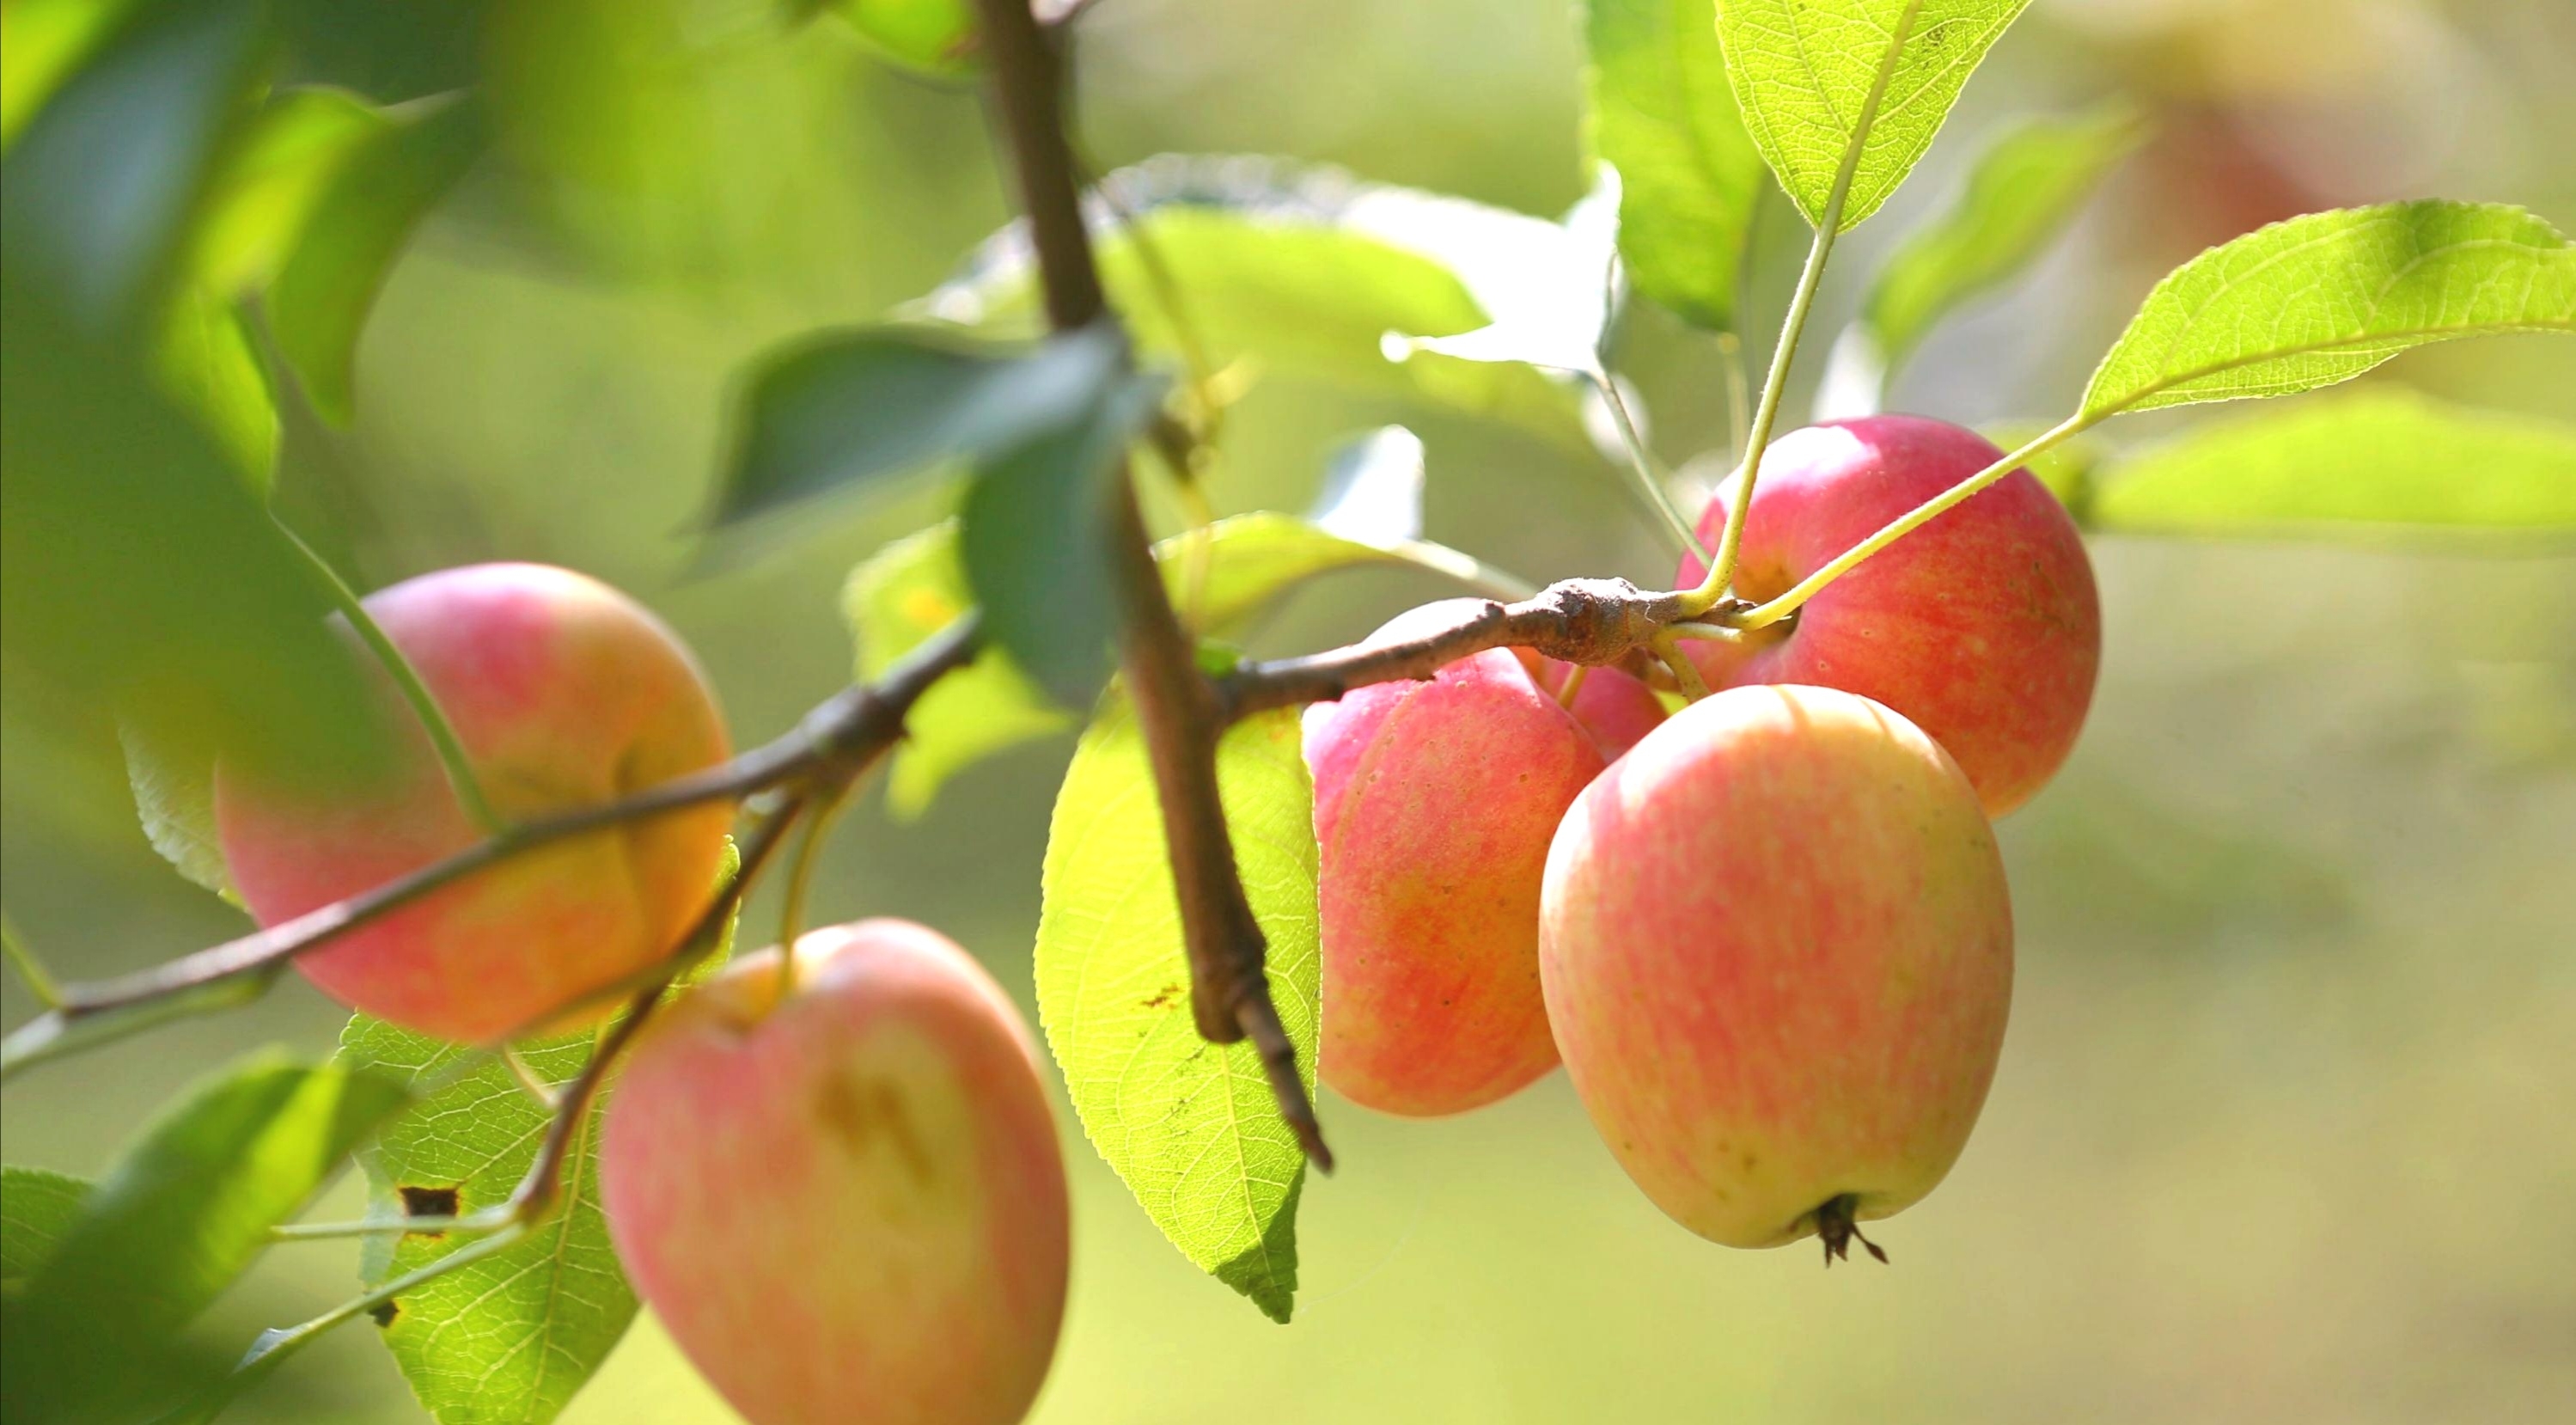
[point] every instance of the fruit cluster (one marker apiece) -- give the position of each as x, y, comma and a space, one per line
1768, 937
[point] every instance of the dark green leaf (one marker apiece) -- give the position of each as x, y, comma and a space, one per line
393, 50
859, 406
2323, 298
98, 191
211, 364
1038, 538
1689, 176
902, 595
2022, 192
1857, 87
36, 1208
174, 1221
1189, 1126
2372, 463
349, 242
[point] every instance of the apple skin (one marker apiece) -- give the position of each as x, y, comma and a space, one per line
1982, 626
565, 693
1434, 804
1612, 704
847, 1207
1778, 957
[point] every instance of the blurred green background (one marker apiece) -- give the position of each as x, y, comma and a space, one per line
2283, 1125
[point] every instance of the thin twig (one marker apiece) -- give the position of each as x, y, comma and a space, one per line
1176, 707
29, 968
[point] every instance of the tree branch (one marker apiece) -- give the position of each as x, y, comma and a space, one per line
832, 744
1176, 707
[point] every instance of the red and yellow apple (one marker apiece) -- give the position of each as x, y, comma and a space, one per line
564, 693
847, 1204
1611, 704
1982, 627
1434, 803
1778, 955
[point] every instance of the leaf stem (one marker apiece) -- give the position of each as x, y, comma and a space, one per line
424, 706
1788, 603
800, 882
526, 1076
1721, 570
1642, 464
29, 968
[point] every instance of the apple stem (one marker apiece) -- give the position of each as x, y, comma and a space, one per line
1838, 1227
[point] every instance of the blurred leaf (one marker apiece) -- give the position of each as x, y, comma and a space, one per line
1303, 272
174, 1221
274, 180
174, 796
350, 239
211, 364
510, 1338
392, 50
1373, 488
1038, 538
2323, 298
98, 191
36, 1208
1189, 1126
859, 406
902, 595
932, 36
2024, 189
139, 573
2372, 462
1864, 83
1254, 558
41, 43
2066, 468
1689, 176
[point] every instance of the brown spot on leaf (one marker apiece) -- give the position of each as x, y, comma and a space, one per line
427, 1202
385, 1312
1164, 996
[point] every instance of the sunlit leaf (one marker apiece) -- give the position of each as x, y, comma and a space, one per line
273, 181
1038, 535
98, 191
1689, 176
36, 1208
1827, 86
173, 1222
2370, 463
932, 36
348, 243
1189, 1126
509, 1338
902, 595
211, 364
42, 42
1303, 272
1373, 489
849, 408
2323, 298
2022, 192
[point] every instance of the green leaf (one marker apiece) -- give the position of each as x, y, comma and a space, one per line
854, 407
2022, 192
42, 44
1189, 1126
931, 36
1303, 272
1038, 539
139, 574
211, 365
36, 1208
179, 1216
1689, 176
2368, 463
2326, 297
274, 180
509, 1338
348, 244
98, 192
902, 595
174, 797
1859, 86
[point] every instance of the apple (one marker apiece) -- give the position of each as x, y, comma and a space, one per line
1982, 626
1612, 704
1434, 803
1777, 954
846, 1204
564, 693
